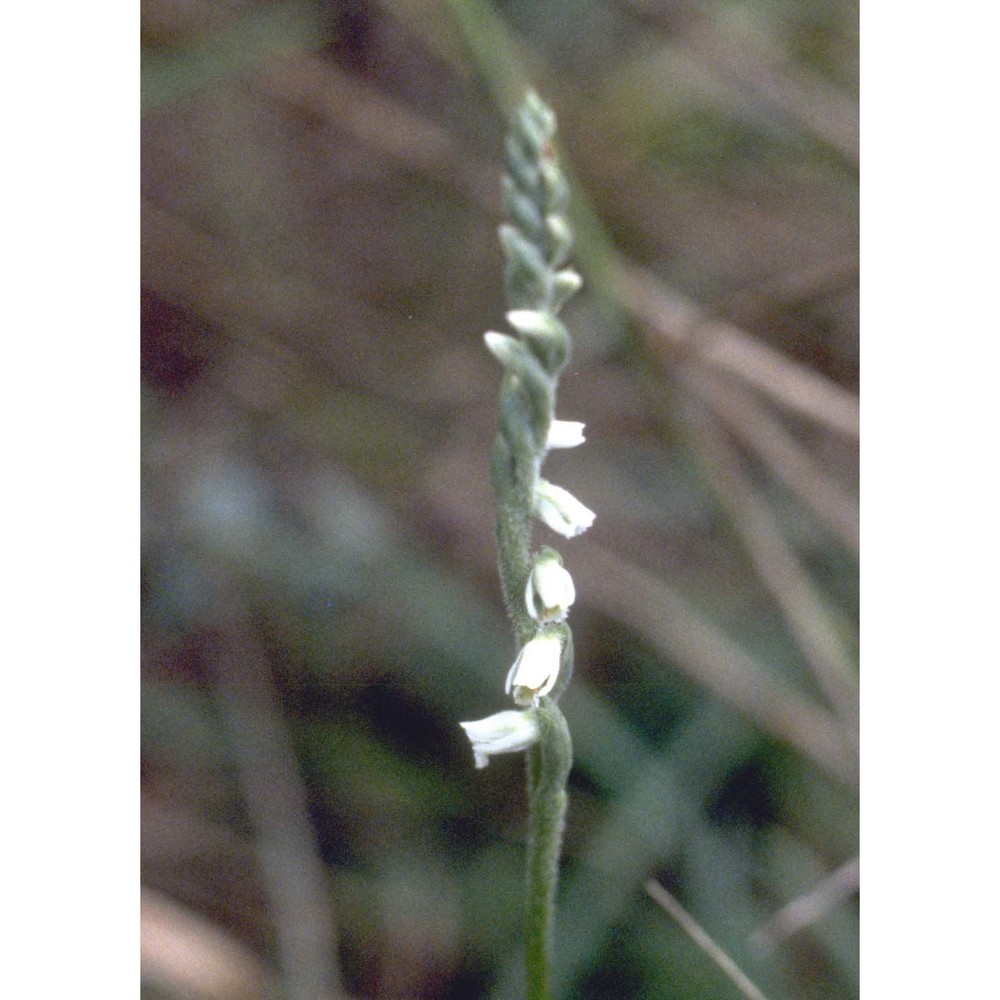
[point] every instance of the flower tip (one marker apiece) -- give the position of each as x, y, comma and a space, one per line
565, 434
497, 343
584, 522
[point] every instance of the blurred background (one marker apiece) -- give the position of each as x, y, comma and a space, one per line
321, 191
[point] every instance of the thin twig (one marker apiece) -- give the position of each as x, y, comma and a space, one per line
701, 938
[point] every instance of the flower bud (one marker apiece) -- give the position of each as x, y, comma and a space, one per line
535, 323
506, 349
565, 285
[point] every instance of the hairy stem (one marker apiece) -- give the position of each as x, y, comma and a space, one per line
548, 766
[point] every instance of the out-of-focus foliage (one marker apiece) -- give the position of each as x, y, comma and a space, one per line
320, 602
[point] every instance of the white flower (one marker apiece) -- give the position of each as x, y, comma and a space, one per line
505, 732
565, 434
561, 511
535, 670
550, 591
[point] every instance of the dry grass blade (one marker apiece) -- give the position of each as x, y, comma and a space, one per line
291, 870
185, 954
809, 908
757, 68
385, 124
753, 67
782, 572
681, 328
657, 612
747, 420
701, 938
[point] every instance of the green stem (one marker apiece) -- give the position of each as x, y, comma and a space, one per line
514, 477
548, 765
536, 242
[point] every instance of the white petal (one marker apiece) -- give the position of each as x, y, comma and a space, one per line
561, 511
549, 591
504, 732
565, 434
535, 670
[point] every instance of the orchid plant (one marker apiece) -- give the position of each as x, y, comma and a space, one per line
538, 590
